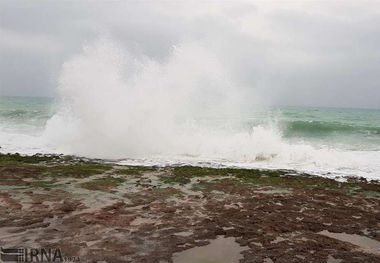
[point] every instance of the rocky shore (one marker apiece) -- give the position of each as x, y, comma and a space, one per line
96, 211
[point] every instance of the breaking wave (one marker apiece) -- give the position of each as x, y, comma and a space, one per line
119, 106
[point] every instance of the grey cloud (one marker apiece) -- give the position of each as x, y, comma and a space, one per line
281, 54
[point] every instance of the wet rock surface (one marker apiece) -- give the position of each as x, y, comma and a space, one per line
103, 212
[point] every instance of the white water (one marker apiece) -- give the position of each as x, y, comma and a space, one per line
115, 105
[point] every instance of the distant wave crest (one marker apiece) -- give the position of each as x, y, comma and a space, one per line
321, 128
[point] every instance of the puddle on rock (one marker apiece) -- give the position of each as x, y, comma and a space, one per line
278, 240
140, 221
274, 191
331, 259
220, 250
184, 234
365, 244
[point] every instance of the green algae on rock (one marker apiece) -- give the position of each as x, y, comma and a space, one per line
114, 213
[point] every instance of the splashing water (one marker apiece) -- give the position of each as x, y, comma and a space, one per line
185, 110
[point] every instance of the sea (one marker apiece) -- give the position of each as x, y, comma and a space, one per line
331, 142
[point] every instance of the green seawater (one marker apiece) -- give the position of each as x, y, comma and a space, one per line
343, 128
354, 129
25, 114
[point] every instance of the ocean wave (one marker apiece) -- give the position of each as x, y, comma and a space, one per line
323, 128
118, 106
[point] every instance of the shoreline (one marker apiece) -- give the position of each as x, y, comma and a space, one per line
99, 211
213, 164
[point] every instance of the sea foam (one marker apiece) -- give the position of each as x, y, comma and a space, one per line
116, 105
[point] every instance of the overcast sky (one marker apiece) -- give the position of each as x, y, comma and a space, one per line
317, 53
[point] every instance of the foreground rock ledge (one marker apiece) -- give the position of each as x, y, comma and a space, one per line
105, 212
